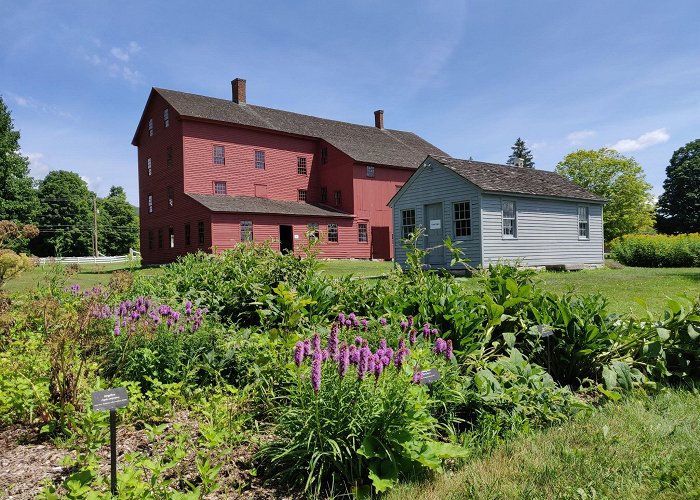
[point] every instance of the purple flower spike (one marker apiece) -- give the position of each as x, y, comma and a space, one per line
378, 369
382, 321
352, 317
372, 362
359, 340
316, 342
354, 353
417, 377
343, 360
364, 323
404, 325
412, 337
348, 323
117, 330
402, 343
341, 318
382, 343
435, 331
316, 372
410, 321
299, 353
448, 350
307, 347
440, 346
401, 356
333, 342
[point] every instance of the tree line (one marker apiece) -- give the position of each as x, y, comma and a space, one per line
630, 206
61, 206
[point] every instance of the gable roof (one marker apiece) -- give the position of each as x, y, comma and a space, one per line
497, 178
254, 205
362, 143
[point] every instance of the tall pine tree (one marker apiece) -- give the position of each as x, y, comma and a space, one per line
522, 152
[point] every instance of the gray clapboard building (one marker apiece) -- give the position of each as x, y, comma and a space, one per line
498, 213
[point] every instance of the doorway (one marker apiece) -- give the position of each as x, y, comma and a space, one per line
286, 239
433, 216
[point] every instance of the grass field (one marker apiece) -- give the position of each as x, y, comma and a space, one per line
621, 286
648, 447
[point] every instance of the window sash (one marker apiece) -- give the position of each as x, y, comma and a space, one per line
219, 187
583, 222
301, 195
462, 219
338, 198
260, 160
219, 155
408, 222
370, 171
312, 230
200, 231
301, 165
171, 197
171, 235
151, 129
246, 230
333, 233
149, 166
508, 219
150, 203
362, 233
166, 117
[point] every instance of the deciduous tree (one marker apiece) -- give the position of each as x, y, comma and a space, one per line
620, 180
118, 224
679, 205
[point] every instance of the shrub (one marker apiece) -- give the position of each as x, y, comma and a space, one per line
646, 250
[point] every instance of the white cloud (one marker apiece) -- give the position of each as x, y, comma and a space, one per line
94, 185
658, 136
37, 164
115, 63
579, 137
539, 145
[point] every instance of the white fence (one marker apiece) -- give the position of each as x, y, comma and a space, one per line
100, 259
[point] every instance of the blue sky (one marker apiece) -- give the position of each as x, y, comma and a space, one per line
469, 77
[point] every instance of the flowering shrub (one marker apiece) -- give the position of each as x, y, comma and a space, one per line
358, 414
657, 250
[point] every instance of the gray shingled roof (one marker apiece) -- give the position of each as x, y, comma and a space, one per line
253, 205
519, 180
362, 143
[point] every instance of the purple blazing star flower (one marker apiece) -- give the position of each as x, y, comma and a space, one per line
316, 372
117, 330
417, 377
307, 347
188, 307
363, 322
378, 369
341, 318
403, 325
354, 354
412, 337
348, 323
389, 352
333, 342
352, 317
316, 342
324, 354
435, 331
299, 353
401, 356
440, 346
385, 360
343, 360
359, 340
410, 321
402, 343
372, 362
382, 343
382, 321
448, 350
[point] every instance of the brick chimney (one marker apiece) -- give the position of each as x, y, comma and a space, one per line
379, 118
238, 90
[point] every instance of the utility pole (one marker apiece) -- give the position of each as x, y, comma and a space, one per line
94, 230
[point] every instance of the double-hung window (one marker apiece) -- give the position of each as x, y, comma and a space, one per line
583, 223
301, 195
219, 187
313, 231
149, 166
166, 118
219, 155
171, 197
171, 237
362, 233
338, 198
200, 232
246, 230
260, 160
508, 218
370, 170
150, 203
408, 222
301, 165
169, 156
462, 219
333, 233
151, 129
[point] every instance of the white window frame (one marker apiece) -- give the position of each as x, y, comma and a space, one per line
360, 232
220, 183
468, 219
150, 203
246, 230
405, 232
149, 166
587, 222
514, 219
219, 159
260, 160
171, 234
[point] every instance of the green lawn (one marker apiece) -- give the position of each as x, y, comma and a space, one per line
641, 448
356, 267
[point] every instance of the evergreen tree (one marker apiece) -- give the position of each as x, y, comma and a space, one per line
18, 199
521, 151
679, 205
118, 224
65, 217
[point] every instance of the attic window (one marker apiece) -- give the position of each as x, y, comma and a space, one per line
166, 118
301, 165
150, 127
219, 155
370, 171
149, 166
324, 194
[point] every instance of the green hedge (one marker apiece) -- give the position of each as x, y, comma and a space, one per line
657, 250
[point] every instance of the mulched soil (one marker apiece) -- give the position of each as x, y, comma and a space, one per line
27, 464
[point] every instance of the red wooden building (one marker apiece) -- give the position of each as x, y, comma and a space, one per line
216, 172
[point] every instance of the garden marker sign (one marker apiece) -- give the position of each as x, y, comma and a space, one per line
428, 377
111, 399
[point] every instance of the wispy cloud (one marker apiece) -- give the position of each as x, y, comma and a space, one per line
37, 164
31, 103
648, 139
579, 137
116, 61
94, 184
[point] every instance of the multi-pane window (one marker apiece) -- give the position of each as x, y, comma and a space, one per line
160, 238
151, 130
188, 238
171, 197
301, 165
362, 233
149, 166
219, 187
169, 156
333, 232
150, 203
166, 118
462, 219
200, 231
408, 222
324, 156
260, 160
171, 237
301, 195
150, 239
219, 155
313, 231
246, 230
324, 194
338, 198
508, 218
583, 222
370, 170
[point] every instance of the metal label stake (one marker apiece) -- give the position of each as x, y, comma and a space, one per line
111, 399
